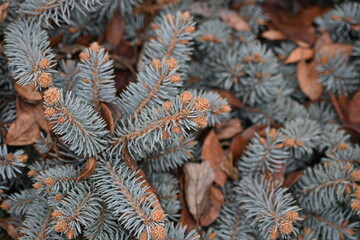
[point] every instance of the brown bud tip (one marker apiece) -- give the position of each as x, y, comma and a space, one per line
23, 158
84, 56
176, 130
207, 37
355, 175
273, 133
355, 204
335, 17
70, 233
262, 141
158, 232
44, 63
189, 29
289, 142
343, 145
291, 215
167, 105
95, 47
200, 121
10, 156
165, 135
5, 206
144, 235
274, 233
357, 194
49, 112
186, 97
31, 173
158, 215
61, 226
156, 63
49, 181
307, 231
58, 197
299, 143
225, 108
201, 104
55, 214
52, 95
61, 120
185, 16
175, 78
286, 227
172, 63
37, 185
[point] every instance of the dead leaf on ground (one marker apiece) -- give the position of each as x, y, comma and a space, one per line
25, 129
28, 93
354, 108
295, 27
107, 116
292, 178
300, 54
4, 11
11, 229
115, 29
229, 129
186, 218
234, 20
273, 35
213, 207
278, 175
229, 168
198, 179
324, 46
307, 78
239, 143
230, 97
213, 153
88, 169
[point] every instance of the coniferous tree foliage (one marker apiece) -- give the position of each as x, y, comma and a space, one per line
190, 119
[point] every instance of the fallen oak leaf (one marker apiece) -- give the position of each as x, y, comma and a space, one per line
229, 168
88, 169
213, 207
229, 129
299, 54
307, 77
28, 93
354, 108
273, 35
11, 229
115, 29
186, 218
234, 20
198, 179
213, 153
4, 8
291, 178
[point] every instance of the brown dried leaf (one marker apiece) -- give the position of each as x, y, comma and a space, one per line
198, 179
300, 54
273, 35
307, 77
107, 116
28, 93
341, 107
115, 29
229, 129
213, 207
229, 168
213, 153
230, 97
234, 20
292, 178
326, 47
11, 229
25, 130
354, 108
186, 218
239, 143
4, 11
88, 169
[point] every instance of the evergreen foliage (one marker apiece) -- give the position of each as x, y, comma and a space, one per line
103, 103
